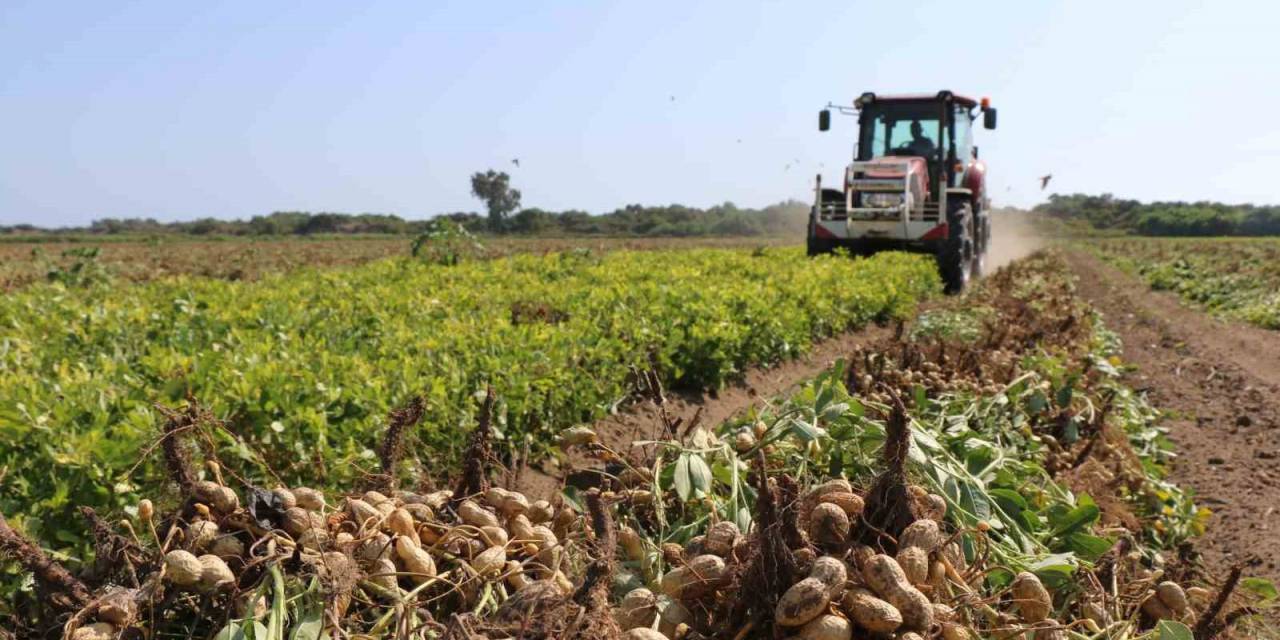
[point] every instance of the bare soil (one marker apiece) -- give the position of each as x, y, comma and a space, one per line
1219, 384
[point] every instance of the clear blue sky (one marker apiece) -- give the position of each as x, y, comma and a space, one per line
176, 110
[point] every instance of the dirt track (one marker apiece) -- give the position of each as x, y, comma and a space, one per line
1219, 383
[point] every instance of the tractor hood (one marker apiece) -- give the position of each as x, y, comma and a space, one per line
897, 166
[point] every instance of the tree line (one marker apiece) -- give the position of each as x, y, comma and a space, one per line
632, 220
503, 216
1165, 218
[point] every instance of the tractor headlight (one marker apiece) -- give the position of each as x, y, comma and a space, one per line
881, 200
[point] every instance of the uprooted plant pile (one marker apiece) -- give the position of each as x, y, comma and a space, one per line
258, 563
982, 474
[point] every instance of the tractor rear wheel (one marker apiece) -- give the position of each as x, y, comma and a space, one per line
982, 243
957, 258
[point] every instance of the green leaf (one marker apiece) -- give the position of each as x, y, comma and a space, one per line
979, 458
1029, 520
975, 502
1262, 587
835, 461
833, 411
1077, 519
970, 498
260, 631
310, 615
310, 624
1071, 432
723, 473
243, 631
682, 480
573, 498
824, 396
998, 579
1174, 630
699, 475
926, 440
1037, 402
805, 431
1008, 500
1064, 394
233, 631
1089, 547
1055, 570
856, 408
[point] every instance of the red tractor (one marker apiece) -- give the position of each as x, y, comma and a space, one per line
915, 184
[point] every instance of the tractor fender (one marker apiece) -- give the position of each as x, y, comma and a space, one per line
975, 179
974, 198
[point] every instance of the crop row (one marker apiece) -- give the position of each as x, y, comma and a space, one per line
1236, 278
304, 368
141, 260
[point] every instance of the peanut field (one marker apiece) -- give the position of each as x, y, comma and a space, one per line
1231, 277
338, 453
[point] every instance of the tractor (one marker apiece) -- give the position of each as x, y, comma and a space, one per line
915, 184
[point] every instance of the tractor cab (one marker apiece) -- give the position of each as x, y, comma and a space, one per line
914, 183
932, 135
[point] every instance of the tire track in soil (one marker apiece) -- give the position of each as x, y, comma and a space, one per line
1219, 384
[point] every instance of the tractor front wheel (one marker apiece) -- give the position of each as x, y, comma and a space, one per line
818, 246
958, 256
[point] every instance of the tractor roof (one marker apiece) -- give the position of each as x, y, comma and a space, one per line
869, 97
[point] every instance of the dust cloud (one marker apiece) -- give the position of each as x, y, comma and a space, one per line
1013, 236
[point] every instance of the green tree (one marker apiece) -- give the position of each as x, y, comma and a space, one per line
533, 220
494, 188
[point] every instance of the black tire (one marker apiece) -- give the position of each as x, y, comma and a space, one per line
817, 247
979, 269
814, 245
957, 257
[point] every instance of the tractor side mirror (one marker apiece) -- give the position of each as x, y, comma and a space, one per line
824, 120
989, 118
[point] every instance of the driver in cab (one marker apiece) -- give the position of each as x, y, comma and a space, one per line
920, 144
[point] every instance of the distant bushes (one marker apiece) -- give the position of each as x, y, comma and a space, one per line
1165, 218
279, 223
632, 220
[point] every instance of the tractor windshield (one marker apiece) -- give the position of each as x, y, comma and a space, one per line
900, 129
